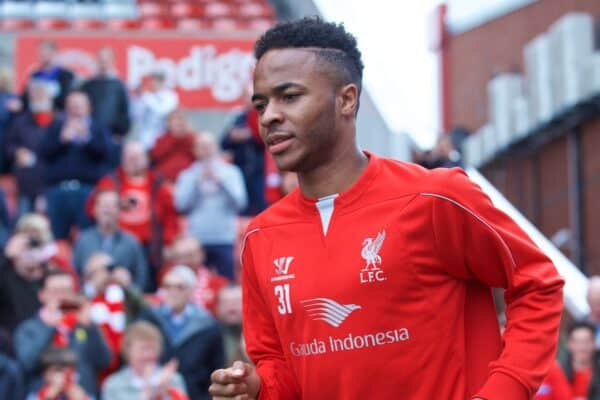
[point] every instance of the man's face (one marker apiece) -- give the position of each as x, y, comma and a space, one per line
78, 105
39, 99
134, 159
143, 354
204, 147
176, 123
46, 52
177, 292
106, 208
581, 344
296, 102
105, 60
229, 306
57, 288
188, 252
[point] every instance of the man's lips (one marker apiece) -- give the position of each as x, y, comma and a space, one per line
278, 142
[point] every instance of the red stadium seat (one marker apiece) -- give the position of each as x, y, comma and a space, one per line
259, 24
255, 10
51, 23
218, 10
154, 9
186, 10
10, 24
80, 23
192, 24
122, 24
226, 24
157, 23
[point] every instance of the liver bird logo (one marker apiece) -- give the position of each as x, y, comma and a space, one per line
370, 250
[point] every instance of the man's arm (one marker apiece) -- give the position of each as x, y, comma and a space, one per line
272, 378
477, 241
262, 342
32, 337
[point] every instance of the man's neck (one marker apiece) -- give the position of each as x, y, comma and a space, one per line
138, 177
334, 177
578, 365
107, 230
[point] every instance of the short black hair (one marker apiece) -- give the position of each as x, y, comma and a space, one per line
329, 40
581, 325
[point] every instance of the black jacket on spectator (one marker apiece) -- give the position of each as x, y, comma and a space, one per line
25, 132
85, 162
18, 296
249, 155
110, 103
198, 347
11, 379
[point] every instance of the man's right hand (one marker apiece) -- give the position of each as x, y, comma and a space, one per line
240, 380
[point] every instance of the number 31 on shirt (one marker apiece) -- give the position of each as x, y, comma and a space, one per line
283, 297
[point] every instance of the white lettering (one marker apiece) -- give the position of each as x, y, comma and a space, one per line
349, 342
372, 275
307, 349
226, 74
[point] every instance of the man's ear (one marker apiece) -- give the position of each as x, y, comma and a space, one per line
348, 100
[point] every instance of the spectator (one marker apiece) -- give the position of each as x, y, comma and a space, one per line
593, 299
147, 209
581, 357
229, 315
37, 229
75, 150
22, 143
444, 154
59, 79
10, 105
22, 272
243, 140
106, 236
59, 377
11, 379
6, 221
187, 250
174, 151
144, 378
192, 335
211, 193
154, 103
108, 95
63, 321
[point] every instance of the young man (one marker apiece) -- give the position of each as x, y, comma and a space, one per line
372, 281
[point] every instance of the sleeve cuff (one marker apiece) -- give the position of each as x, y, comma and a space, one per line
502, 386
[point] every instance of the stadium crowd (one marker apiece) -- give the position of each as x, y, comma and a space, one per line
118, 275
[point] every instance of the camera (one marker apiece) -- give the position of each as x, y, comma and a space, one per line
34, 243
70, 305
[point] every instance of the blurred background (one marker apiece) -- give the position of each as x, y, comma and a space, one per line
118, 116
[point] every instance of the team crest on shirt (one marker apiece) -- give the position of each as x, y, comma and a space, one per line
372, 271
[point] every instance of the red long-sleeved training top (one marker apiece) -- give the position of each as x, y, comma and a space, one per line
393, 299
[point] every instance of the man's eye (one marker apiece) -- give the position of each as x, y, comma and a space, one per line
259, 107
290, 97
